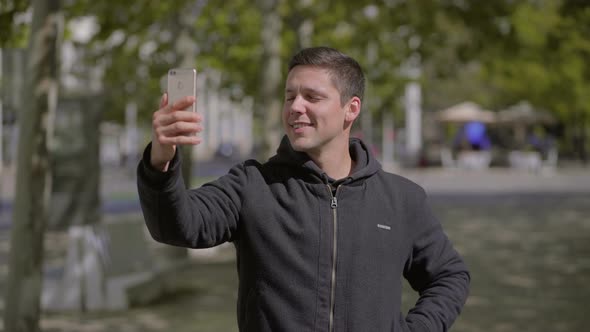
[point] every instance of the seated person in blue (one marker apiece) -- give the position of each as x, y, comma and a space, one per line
472, 136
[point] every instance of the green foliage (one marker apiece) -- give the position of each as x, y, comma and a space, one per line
544, 61
493, 52
533, 25
224, 38
133, 44
229, 39
13, 34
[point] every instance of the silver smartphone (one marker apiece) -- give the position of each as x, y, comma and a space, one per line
182, 82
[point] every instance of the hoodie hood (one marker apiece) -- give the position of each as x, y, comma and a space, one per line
366, 164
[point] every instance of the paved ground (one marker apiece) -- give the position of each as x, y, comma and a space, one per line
119, 191
497, 181
120, 183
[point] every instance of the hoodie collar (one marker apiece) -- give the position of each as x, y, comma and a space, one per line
366, 164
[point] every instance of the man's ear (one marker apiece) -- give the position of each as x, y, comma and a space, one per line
353, 109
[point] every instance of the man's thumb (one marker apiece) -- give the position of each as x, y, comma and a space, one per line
164, 100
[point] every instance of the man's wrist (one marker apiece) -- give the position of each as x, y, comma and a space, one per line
160, 166
156, 160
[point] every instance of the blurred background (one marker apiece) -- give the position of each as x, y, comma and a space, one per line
485, 104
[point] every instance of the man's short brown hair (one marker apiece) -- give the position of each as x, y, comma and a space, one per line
345, 71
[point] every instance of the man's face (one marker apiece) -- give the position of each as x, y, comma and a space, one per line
313, 117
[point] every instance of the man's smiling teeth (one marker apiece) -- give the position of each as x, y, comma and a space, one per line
299, 125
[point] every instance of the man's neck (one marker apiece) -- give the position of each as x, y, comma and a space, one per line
336, 165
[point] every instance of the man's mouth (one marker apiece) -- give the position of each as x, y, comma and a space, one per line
300, 125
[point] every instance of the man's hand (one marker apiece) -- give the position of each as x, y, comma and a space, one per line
171, 126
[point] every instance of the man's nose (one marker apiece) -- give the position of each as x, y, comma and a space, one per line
298, 105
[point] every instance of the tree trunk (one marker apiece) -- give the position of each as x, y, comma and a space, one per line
305, 33
583, 138
269, 104
22, 310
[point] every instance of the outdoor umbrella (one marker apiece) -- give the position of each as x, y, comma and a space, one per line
524, 113
465, 112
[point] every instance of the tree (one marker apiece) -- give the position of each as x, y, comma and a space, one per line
271, 78
22, 310
538, 52
466, 49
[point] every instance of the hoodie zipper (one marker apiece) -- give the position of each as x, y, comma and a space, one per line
333, 205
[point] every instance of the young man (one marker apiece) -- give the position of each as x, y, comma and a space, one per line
323, 235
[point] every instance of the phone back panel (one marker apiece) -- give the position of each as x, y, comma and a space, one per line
182, 82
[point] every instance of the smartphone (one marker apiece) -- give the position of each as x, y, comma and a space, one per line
182, 82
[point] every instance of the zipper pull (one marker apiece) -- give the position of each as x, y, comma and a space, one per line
334, 203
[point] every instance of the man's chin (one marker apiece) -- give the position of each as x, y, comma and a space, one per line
299, 145
299, 148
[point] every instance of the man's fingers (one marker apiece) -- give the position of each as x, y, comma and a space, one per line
164, 100
171, 126
179, 129
180, 140
162, 119
182, 104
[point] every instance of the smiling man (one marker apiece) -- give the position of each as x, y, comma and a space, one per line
317, 118
323, 234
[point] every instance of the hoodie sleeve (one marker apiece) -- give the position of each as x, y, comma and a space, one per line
436, 271
195, 218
